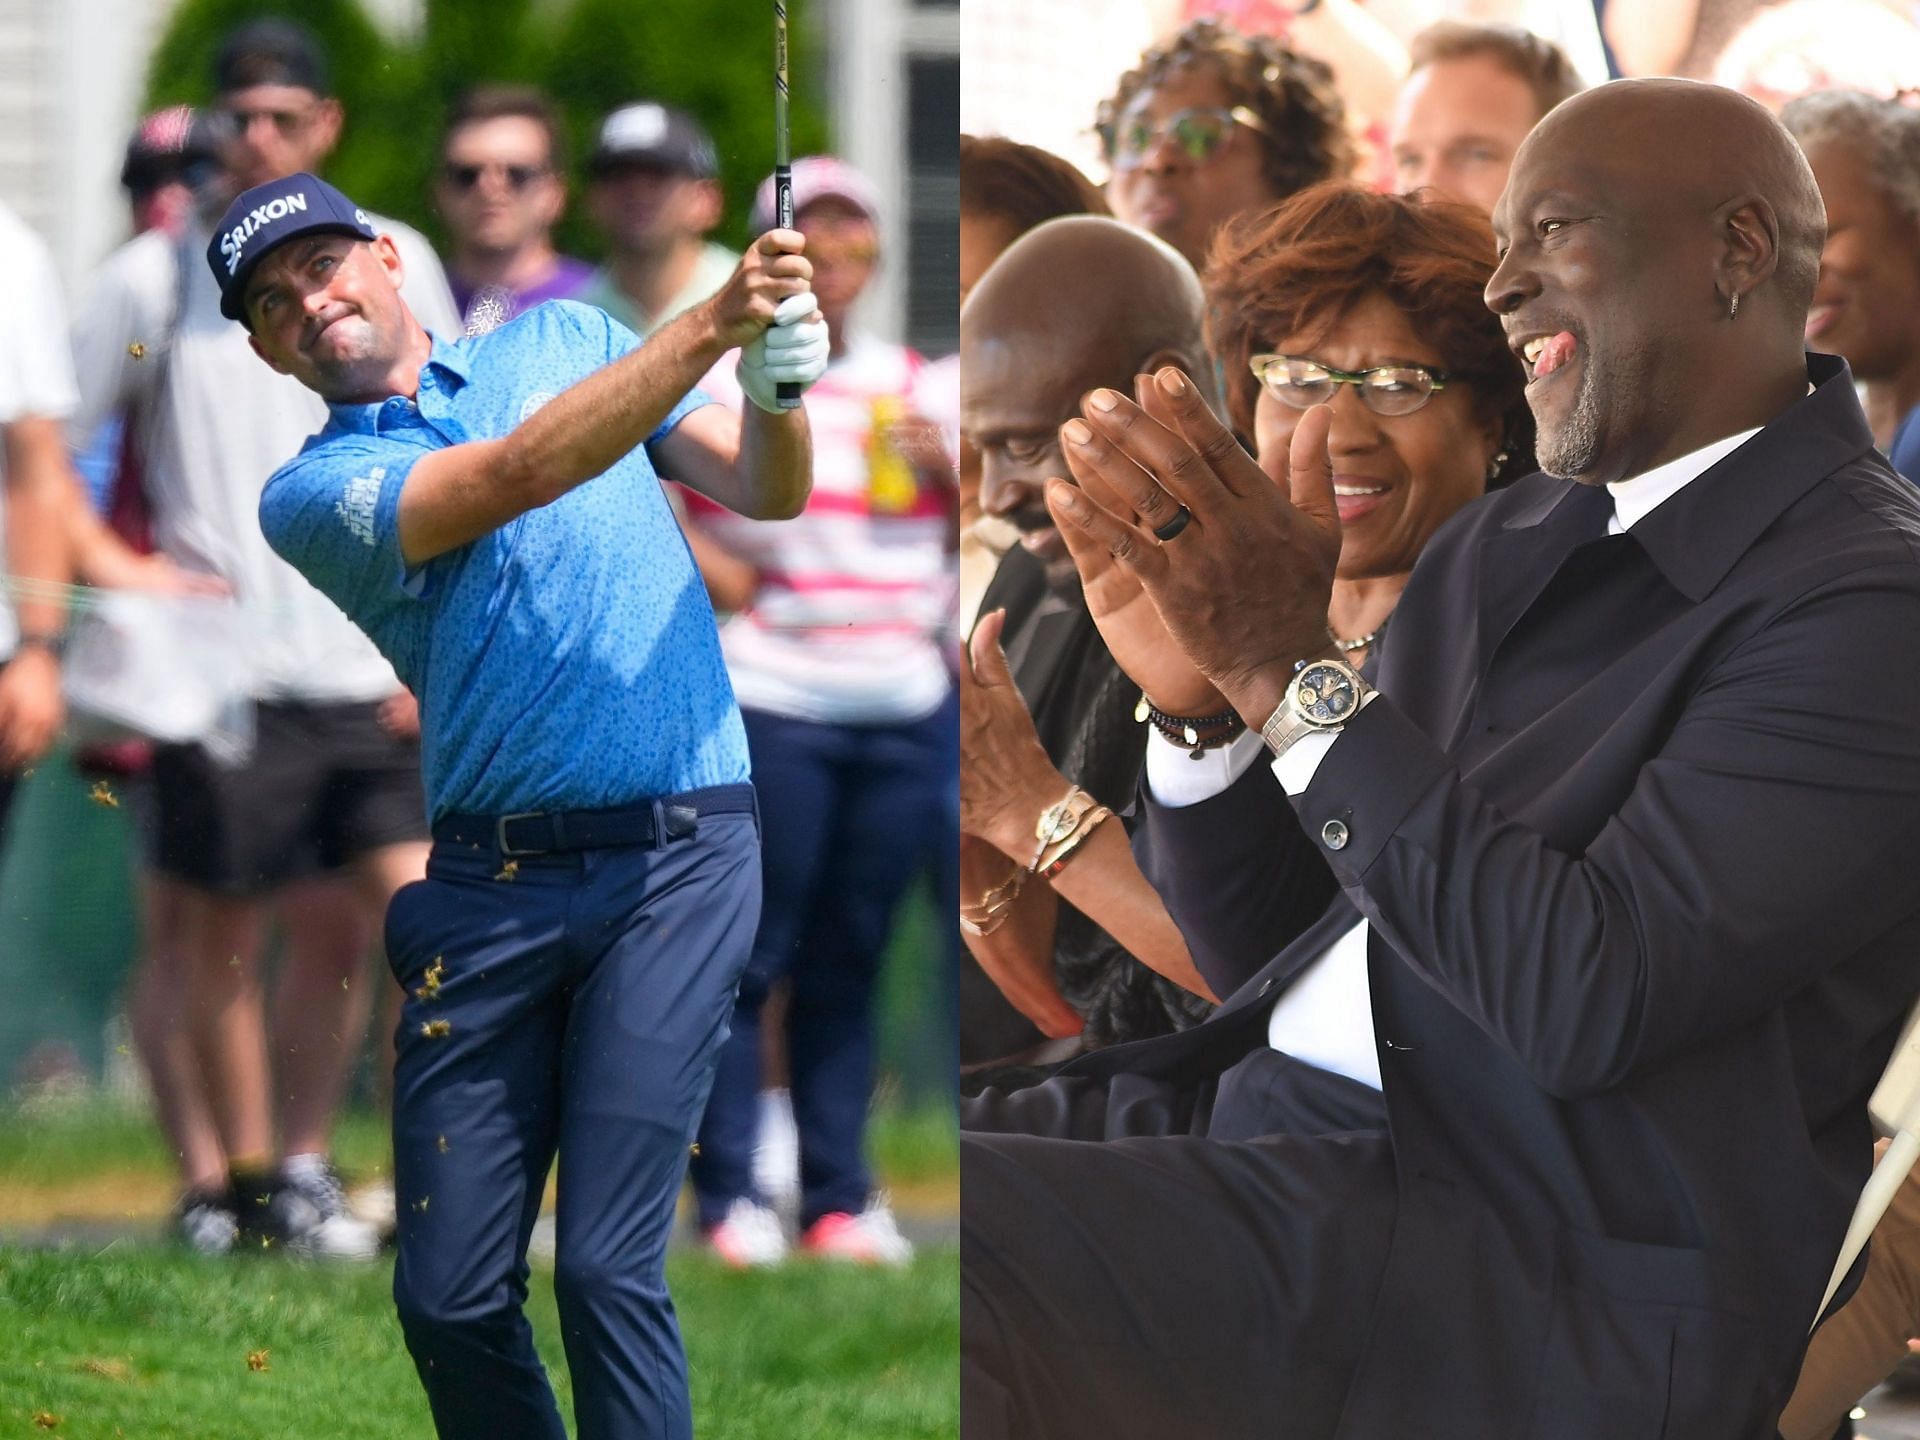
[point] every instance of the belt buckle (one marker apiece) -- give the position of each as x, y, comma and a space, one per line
500, 833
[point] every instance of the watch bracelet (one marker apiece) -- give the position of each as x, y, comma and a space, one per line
1051, 865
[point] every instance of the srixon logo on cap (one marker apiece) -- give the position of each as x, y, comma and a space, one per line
233, 244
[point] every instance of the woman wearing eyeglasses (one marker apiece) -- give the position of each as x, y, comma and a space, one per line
1215, 125
1368, 303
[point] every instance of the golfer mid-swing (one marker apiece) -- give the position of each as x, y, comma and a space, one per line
487, 511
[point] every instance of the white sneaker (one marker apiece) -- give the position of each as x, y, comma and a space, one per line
869, 1238
310, 1210
207, 1223
749, 1237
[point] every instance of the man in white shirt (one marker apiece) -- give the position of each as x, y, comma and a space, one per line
1625, 839
332, 792
36, 395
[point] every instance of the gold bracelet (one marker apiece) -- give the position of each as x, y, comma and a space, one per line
1055, 861
991, 912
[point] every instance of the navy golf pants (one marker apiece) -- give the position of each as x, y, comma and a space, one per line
853, 813
575, 1000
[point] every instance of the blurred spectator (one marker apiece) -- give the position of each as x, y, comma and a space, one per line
1802, 46
840, 663
652, 191
1074, 305
36, 393
1366, 58
169, 155
333, 785
1865, 154
501, 189
1005, 190
1216, 124
1471, 97
1674, 37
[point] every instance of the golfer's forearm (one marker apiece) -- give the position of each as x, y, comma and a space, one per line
583, 431
776, 462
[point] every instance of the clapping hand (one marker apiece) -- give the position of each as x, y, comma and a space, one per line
1242, 582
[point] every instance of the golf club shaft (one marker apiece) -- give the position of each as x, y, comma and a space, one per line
787, 394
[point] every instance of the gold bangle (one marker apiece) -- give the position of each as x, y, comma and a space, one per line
1058, 821
1068, 847
993, 907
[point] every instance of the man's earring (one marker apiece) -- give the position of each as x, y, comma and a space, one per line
1733, 307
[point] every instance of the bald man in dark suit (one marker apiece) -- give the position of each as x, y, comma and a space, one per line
1625, 843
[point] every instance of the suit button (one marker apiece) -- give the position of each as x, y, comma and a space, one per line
1334, 835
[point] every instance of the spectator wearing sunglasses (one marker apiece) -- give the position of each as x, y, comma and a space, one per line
1216, 124
1370, 304
652, 190
327, 818
500, 190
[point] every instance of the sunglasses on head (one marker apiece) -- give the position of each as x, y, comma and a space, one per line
1385, 389
465, 177
1199, 133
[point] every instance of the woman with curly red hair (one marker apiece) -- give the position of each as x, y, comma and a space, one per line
1371, 304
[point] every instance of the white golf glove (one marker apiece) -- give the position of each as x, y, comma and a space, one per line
792, 348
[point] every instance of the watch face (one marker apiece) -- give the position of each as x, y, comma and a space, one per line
1324, 694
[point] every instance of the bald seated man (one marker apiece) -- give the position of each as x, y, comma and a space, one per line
1625, 840
1074, 304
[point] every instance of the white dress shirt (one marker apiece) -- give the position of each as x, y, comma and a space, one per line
1326, 1016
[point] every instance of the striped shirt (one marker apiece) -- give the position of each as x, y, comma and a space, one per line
855, 605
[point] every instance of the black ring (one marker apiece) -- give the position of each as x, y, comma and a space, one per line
1174, 526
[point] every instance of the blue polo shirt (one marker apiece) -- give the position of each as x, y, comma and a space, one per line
568, 660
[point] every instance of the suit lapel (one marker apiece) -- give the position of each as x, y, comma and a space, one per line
1518, 561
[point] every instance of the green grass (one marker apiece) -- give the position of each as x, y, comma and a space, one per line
70, 1143
150, 1345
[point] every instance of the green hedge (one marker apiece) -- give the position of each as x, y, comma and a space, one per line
711, 57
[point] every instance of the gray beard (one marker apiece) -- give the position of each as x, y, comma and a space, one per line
1574, 449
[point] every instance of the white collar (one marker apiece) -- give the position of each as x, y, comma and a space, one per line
1638, 496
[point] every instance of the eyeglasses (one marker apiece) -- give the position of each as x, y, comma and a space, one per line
519, 177
1385, 389
1199, 132
288, 122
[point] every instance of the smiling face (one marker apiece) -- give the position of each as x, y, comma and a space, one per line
1456, 127
1012, 405
1866, 304
1605, 288
1397, 478
1169, 193
326, 309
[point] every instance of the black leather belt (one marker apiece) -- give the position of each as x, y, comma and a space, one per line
671, 817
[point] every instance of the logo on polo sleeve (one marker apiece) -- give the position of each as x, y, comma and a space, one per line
358, 502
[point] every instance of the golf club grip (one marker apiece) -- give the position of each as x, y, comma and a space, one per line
787, 393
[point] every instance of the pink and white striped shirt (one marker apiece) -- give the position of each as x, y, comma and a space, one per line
855, 605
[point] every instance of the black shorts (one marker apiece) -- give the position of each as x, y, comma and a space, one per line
325, 785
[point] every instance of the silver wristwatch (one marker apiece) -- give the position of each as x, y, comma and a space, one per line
1324, 696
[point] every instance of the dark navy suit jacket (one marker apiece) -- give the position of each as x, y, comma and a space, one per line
1633, 827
